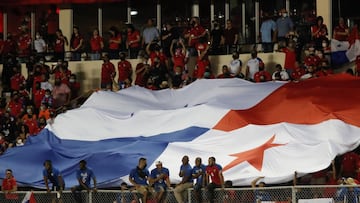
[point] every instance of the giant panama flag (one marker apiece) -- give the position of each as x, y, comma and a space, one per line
267, 129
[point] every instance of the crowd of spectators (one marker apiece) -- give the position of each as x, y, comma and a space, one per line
35, 101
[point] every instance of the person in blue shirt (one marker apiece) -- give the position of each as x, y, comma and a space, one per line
198, 172
140, 178
161, 181
349, 194
185, 173
53, 176
260, 194
84, 176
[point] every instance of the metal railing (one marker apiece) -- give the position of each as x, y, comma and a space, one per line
286, 194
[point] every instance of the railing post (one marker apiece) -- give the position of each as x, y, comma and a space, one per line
293, 194
90, 197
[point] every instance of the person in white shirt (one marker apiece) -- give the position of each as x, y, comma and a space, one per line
39, 44
252, 66
280, 74
235, 66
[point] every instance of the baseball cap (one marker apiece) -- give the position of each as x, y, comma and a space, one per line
158, 162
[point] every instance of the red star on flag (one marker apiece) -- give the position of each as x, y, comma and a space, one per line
254, 156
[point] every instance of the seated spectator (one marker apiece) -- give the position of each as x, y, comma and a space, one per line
280, 74
17, 79
309, 72
225, 72
142, 72
262, 75
29, 114
298, 72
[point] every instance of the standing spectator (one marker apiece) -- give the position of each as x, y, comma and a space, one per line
260, 195
61, 94
52, 175
59, 47
290, 57
83, 176
9, 186
217, 39
235, 67
168, 35
341, 31
160, 179
17, 80
10, 45
74, 86
284, 26
154, 50
214, 178
150, 33
24, 44
185, 173
139, 177
133, 41
96, 45
267, 33
39, 45
203, 62
47, 99
319, 32
348, 165
38, 95
142, 72
158, 73
15, 104
348, 194
262, 75
76, 44
198, 174
178, 54
124, 71
107, 73
194, 34
252, 66
231, 37
114, 42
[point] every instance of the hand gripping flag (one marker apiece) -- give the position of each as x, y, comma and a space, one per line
269, 129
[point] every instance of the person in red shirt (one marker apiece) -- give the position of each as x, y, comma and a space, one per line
124, 71
142, 72
33, 126
114, 42
214, 178
15, 104
196, 32
341, 31
107, 73
9, 186
17, 79
24, 44
262, 75
349, 163
178, 54
319, 32
74, 86
76, 44
59, 47
96, 45
290, 57
203, 62
225, 72
154, 50
133, 41
298, 72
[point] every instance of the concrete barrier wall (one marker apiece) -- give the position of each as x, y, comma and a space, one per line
88, 72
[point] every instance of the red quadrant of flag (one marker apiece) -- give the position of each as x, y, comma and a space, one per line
307, 102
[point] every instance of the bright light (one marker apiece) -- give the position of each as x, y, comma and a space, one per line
133, 12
